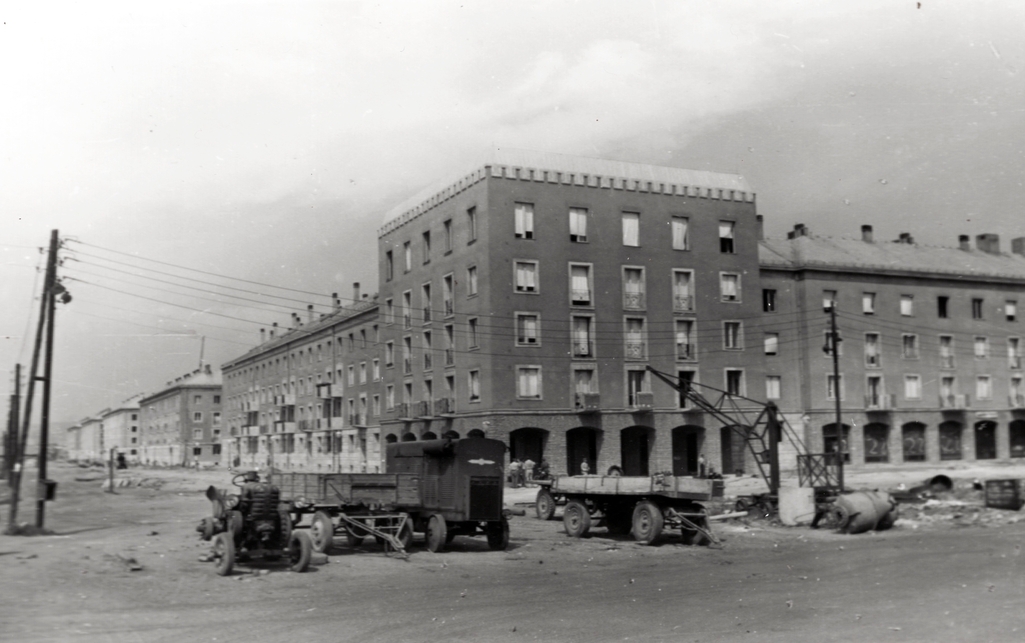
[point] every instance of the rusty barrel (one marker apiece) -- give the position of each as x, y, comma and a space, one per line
861, 511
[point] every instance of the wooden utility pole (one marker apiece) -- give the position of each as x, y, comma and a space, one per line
840, 442
44, 416
11, 437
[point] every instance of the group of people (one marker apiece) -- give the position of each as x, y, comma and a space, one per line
522, 472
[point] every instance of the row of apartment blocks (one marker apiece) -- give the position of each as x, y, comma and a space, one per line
525, 299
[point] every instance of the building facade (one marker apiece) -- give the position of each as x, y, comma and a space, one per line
121, 430
309, 398
182, 424
930, 352
526, 298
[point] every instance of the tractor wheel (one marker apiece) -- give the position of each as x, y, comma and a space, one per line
322, 532
576, 518
285, 525
436, 533
300, 548
206, 529
498, 535
647, 522
545, 504
224, 553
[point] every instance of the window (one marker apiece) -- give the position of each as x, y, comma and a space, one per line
427, 246
981, 348
471, 327
407, 392
771, 343
450, 388
524, 215
983, 387
827, 346
768, 300
585, 381
376, 370
683, 293
447, 295
407, 309
471, 281
734, 381
912, 387
389, 310
526, 276
685, 336
732, 338
1011, 310
1014, 353
352, 375
197, 399
389, 353
831, 387
726, 237
407, 355
941, 306
828, 299
528, 331
407, 253
946, 351
909, 346
448, 235
631, 229
872, 356
377, 406
427, 347
578, 225
389, 266
907, 305
197, 416
772, 386
450, 345
580, 284
473, 383
681, 241
635, 346
729, 286
583, 337
685, 378
425, 301
528, 382
976, 309
471, 224
868, 303
633, 288
217, 399
874, 396
636, 383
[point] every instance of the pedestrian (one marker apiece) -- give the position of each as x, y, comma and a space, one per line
702, 466
585, 468
514, 473
542, 470
528, 470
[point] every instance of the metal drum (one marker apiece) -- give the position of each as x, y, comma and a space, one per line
861, 511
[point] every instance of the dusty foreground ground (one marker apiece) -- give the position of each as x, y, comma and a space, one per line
956, 577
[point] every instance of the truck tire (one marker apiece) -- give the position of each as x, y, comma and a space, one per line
498, 535
545, 504
576, 518
436, 533
224, 553
300, 549
322, 532
647, 522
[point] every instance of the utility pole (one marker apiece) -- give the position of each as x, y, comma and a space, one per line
11, 437
44, 417
835, 339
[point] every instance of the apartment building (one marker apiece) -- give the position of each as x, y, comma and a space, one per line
85, 440
525, 298
181, 424
120, 426
308, 398
931, 346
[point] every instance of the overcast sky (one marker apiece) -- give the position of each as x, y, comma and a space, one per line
265, 142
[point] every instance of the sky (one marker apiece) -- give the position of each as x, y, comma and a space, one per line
264, 142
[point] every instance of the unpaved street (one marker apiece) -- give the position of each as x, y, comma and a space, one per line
919, 582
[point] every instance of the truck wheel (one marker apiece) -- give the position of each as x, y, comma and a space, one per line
300, 549
498, 535
647, 522
224, 553
322, 532
544, 505
576, 519
436, 533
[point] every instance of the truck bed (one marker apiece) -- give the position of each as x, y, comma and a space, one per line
350, 489
686, 488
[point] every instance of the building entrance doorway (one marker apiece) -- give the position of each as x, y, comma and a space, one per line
687, 445
634, 446
985, 440
581, 444
527, 444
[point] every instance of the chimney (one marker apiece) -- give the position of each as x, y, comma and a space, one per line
760, 226
905, 237
1018, 246
963, 242
336, 301
263, 335
988, 242
309, 313
208, 369
800, 230
866, 233
273, 329
355, 292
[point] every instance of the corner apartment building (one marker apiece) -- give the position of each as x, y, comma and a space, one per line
181, 424
931, 346
308, 399
525, 298
85, 440
120, 427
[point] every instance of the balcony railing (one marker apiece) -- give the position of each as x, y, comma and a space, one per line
428, 362
946, 361
685, 351
305, 425
588, 402
427, 314
633, 300
325, 391
1016, 401
581, 296
1014, 362
683, 303
424, 409
450, 357
880, 401
407, 320
635, 350
407, 365
644, 401
403, 410
444, 406
954, 401
449, 307
582, 349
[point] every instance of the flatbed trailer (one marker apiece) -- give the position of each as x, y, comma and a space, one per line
441, 488
641, 505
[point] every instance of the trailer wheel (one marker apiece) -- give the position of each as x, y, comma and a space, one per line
544, 505
322, 532
300, 550
224, 553
498, 535
647, 522
576, 518
436, 533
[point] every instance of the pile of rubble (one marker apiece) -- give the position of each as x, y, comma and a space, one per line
962, 506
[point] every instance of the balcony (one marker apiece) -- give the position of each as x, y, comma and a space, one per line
644, 401
581, 297
880, 402
325, 391
634, 350
444, 406
428, 362
407, 366
946, 361
588, 402
449, 308
407, 320
323, 423
264, 429
427, 314
582, 349
1016, 401
954, 402
685, 351
357, 419
450, 357
306, 425
633, 300
1014, 362
404, 411
424, 409
683, 303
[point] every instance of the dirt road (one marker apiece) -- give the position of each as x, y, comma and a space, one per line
937, 582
